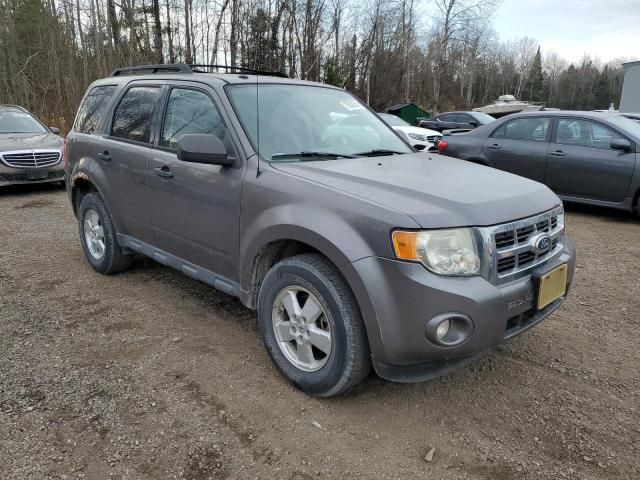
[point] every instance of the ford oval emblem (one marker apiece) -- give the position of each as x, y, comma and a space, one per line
542, 243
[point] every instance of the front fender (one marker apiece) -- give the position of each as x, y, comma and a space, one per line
332, 235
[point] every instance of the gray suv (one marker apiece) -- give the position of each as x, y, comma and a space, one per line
30, 152
355, 250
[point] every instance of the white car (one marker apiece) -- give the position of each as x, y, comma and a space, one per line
420, 138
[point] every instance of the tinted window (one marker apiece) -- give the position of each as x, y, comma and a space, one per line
482, 118
463, 118
91, 110
446, 117
134, 114
530, 129
18, 121
190, 111
584, 133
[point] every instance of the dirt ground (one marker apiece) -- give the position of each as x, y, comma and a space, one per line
151, 375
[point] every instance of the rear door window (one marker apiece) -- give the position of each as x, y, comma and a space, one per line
583, 133
92, 109
133, 118
529, 129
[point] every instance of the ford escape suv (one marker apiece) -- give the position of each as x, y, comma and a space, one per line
355, 250
29, 151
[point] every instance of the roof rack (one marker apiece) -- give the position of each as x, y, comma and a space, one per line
189, 68
195, 67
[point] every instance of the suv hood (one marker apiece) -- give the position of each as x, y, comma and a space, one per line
435, 191
28, 141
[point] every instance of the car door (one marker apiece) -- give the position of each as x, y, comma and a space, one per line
583, 164
520, 146
123, 155
197, 206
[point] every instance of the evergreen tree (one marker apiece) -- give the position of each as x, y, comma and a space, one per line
536, 79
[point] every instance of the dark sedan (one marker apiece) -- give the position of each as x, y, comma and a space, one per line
584, 157
457, 121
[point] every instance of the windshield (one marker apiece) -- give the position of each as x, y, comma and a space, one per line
16, 121
393, 120
483, 118
626, 125
294, 119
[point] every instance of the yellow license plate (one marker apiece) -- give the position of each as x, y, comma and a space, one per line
553, 285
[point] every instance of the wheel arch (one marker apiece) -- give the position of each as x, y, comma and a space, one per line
264, 254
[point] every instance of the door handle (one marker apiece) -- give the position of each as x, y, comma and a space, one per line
558, 153
104, 156
495, 146
164, 172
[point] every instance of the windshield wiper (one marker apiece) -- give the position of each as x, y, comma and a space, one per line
379, 152
313, 155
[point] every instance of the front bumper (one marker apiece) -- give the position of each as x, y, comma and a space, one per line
11, 176
397, 299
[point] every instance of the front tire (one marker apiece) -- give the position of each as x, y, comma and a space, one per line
98, 237
311, 326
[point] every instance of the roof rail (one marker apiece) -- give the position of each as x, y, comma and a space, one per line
159, 68
195, 67
188, 68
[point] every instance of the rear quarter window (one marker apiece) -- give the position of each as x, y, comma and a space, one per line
92, 108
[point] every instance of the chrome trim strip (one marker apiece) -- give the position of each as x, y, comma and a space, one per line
38, 151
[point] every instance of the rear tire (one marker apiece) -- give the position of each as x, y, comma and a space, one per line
320, 347
98, 237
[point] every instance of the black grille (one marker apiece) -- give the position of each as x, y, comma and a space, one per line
543, 226
31, 159
554, 222
433, 138
505, 239
506, 264
526, 258
524, 233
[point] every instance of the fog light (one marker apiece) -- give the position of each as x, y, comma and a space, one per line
443, 329
449, 329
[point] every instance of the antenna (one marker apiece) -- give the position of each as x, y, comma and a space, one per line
257, 74
258, 121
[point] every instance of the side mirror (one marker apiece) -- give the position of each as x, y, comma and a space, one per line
55, 130
203, 148
621, 144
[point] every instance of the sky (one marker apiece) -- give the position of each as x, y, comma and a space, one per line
604, 29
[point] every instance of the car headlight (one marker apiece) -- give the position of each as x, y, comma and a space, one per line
445, 252
416, 136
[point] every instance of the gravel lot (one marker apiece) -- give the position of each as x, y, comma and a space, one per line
149, 374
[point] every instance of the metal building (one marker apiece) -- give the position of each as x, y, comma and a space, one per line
630, 101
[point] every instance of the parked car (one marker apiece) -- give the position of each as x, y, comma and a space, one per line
351, 257
456, 121
584, 157
29, 151
420, 138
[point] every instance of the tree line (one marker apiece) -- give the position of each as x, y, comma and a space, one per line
440, 54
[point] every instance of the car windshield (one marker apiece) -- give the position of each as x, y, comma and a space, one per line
302, 122
483, 118
626, 125
393, 121
15, 121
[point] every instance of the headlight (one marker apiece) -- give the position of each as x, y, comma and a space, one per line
445, 252
416, 136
